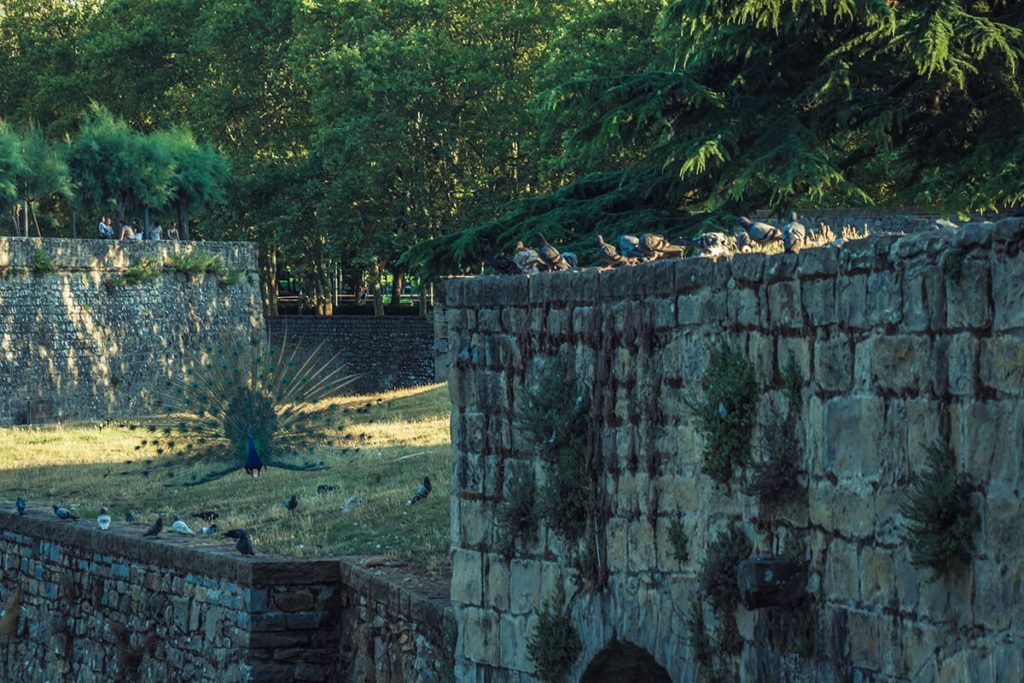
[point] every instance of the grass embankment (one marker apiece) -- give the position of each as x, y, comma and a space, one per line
388, 443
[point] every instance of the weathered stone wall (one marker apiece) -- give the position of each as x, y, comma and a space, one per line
89, 605
902, 342
74, 348
389, 352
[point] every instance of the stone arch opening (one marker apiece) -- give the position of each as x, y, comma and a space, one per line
621, 660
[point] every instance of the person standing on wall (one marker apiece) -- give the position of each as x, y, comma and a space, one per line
106, 232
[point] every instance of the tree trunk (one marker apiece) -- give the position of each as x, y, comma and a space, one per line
268, 281
423, 299
376, 291
26, 218
74, 223
397, 285
35, 219
183, 232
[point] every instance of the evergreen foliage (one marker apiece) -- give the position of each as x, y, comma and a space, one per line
554, 416
942, 517
726, 413
718, 570
554, 644
517, 516
42, 262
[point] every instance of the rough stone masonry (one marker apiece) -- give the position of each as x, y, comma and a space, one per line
901, 342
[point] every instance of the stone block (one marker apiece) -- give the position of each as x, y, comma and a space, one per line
924, 296
895, 363
618, 544
496, 582
993, 592
962, 364
842, 572
967, 297
744, 305
819, 301
987, 438
1003, 533
643, 554
854, 511
818, 261
524, 586
851, 427
885, 298
481, 636
780, 267
973, 235
784, 305
1001, 363
694, 274
851, 300
1007, 293
749, 268
947, 601
514, 635
467, 577
876, 576
864, 644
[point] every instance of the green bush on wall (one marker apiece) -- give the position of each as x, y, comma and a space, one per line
554, 644
942, 517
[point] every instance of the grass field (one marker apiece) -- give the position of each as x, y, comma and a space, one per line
389, 442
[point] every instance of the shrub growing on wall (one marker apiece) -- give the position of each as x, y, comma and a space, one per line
554, 644
942, 517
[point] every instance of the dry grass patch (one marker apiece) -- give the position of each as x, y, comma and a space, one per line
387, 444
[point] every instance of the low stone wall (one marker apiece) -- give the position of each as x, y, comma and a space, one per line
901, 343
88, 605
389, 352
73, 347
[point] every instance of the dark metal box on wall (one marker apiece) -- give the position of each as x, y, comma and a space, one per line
770, 581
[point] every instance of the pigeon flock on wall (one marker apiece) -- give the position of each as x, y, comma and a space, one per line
629, 250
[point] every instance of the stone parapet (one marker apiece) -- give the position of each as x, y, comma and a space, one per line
901, 342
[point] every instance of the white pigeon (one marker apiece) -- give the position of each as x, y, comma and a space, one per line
104, 519
181, 527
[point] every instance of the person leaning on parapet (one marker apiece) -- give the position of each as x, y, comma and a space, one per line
126, 231
172, 232
106, 232
154, 231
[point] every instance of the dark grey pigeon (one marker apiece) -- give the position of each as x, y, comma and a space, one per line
760, 233
291, 503
64, 513
548, 254
156, 527
655, 247
243, 544
19, 505
499, 262
715, 243
206, 515
326, 488
794, 234
609, 254
571, 258
422, 492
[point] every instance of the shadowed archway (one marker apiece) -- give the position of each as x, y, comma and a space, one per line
620, 661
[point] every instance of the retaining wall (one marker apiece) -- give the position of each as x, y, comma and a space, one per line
901, 343
390, 352
75, 347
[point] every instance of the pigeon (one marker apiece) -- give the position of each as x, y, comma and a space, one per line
130, 517
571, 258
422, 492
500, 263
64, 513
253, 464
20, 505
548, 254
291, 503
714, 243
212, 529
206, 515
181, 527
743, 242
629, 246
156, 527
527, 259
610, 255
794, 234
243, 544
655, 247
326, 488
760, 233
103, 520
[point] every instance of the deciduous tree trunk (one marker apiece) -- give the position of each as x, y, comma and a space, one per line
376, 291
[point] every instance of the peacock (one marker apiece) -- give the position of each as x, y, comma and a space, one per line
248, 408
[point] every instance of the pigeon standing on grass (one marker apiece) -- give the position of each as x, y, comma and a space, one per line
212, 529
64, 513
206, 515
181, 527
156, 527
19, 505
243, 544
422, 492
103, 520
291, 503
760, 233
793, 234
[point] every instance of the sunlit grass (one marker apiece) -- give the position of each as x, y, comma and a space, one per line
388, 443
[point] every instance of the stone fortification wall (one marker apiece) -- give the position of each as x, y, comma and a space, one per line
389, 352
88, 605
73, 347
901, 343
